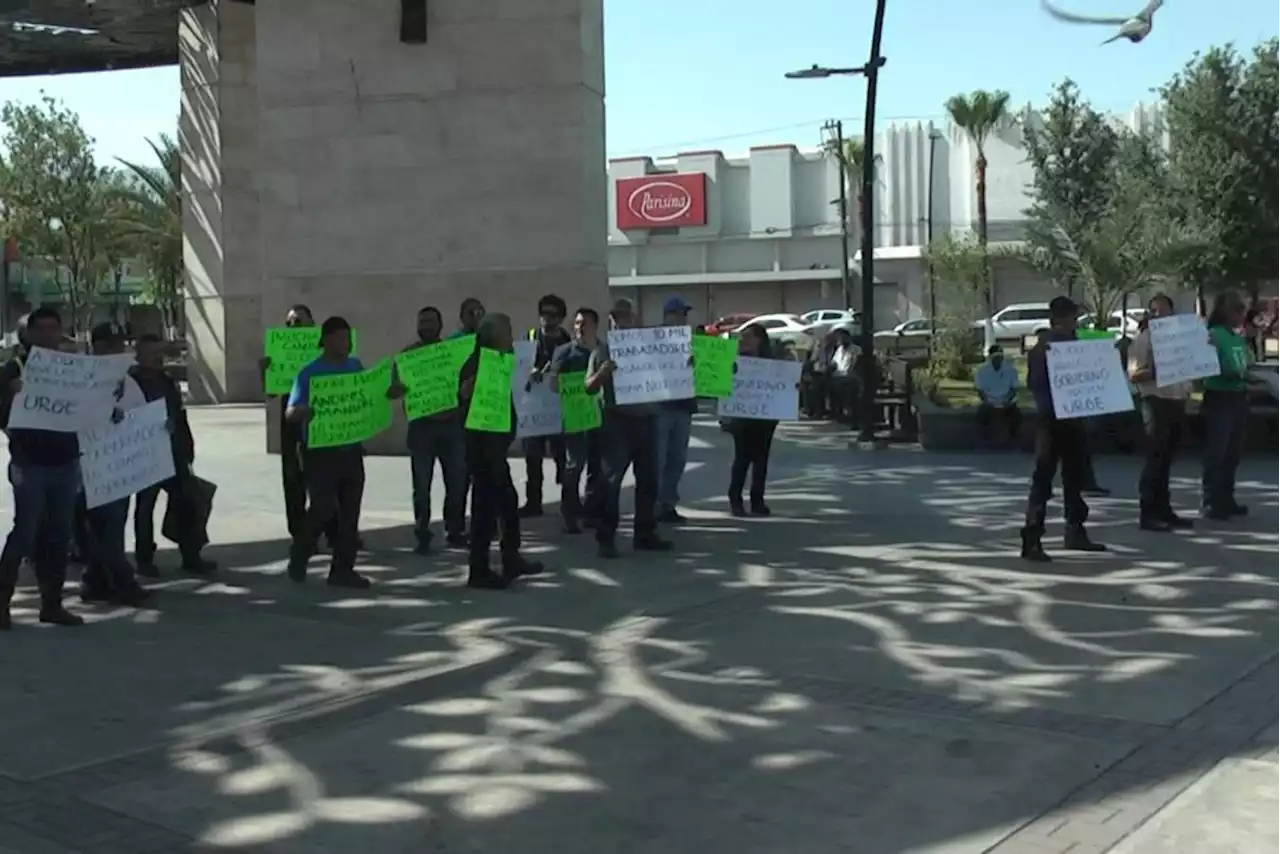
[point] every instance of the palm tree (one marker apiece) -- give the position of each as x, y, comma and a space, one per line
978, 114
151, 214
852, 157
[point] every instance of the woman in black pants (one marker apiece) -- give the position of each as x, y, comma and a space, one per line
752, 437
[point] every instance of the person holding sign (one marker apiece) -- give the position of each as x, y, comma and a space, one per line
752, 437
1058, 442
1164, 418
673, 427
1225, 410
626, 437
582, 446
44, 469
435, 436
548, 336
490, 423
335, 473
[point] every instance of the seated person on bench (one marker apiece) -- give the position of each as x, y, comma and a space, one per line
997, 385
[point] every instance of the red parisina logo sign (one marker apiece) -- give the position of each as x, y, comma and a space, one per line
662, 200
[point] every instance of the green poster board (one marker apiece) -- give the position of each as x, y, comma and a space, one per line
347, 409
579, 410
713, 359
429, 375
290, 348
490, 410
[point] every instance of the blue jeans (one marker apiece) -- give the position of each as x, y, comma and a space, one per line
671, 454
431, 442
106, 566
44, 501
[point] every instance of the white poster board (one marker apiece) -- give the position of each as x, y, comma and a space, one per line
119, 460
67, 392
537, 406
653, 364
1180, 349
765, 389
1087, 379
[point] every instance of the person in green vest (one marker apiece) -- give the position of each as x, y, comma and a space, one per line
1224, 412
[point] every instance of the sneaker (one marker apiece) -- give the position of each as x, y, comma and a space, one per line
199, 566
652, 543
1217, 514
1034, 552
133, 597
349, 579
486, 579
759, 508
530, 511
1077, 540
737, 508
57, 615
297, 571
671, 516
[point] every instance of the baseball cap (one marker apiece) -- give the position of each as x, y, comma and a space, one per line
676, 304
1063, 307
105, 332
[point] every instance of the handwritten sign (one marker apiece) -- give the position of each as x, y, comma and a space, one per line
763, 389
653, 364
580, 410
1181, 349
713, 360
1087, 379
290, 348
347, 409
429, 375
67, 392
490, 410
537, 406
119, 460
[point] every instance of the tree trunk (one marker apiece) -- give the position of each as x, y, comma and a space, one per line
980, 182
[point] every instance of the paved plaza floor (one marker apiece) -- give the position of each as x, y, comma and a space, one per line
871, 670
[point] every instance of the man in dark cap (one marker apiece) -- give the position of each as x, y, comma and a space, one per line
1058, 441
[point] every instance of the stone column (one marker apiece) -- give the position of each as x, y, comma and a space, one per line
396, 176
221, 234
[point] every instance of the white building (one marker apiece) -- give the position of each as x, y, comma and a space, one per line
761, 233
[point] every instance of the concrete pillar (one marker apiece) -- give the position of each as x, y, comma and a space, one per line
221, 234
395, 176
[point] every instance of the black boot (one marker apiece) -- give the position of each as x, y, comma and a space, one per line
1076, 539
759, 508
1032, 549
736, 507
55, 614
483, 578
515, 565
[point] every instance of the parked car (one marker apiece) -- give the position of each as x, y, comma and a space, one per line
911, 335
830, 315
727, 323
1118, 322
774, 325
1014, 322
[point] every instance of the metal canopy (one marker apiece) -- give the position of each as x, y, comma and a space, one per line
69, 36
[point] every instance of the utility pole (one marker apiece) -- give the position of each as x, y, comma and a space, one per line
870, 369
836, 129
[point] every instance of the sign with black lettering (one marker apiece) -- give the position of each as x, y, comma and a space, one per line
1087, 379
766, 389
67, 392
654, 364
119, 460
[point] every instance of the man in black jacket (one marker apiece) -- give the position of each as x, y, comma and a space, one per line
157, 385
549, 336
44, 470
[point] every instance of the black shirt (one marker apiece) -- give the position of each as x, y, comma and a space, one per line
160, 386
548, 343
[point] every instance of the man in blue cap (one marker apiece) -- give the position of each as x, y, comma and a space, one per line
673, 425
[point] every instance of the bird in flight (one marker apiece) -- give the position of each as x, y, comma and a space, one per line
1134, 28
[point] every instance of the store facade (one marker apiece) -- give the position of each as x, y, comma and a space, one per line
761, 233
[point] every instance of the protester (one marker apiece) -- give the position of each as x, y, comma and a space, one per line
997, 386
582, 450
431, 439
108, 576
1059, 442
752, 437
335, 476
1224, 410
495, 507
626, 440
293, 478
155, 384
548, 336
1164, 418
44, 470
674, 424
470, 313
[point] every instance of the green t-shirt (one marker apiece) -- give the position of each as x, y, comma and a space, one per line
1234, 358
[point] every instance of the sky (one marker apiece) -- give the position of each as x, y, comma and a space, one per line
699, 74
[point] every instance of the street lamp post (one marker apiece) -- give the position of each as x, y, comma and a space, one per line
870, 370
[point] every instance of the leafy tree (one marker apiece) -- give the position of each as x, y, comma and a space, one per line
1220, 113
48, 184
852, 157
151, 215
978, 115
113, 243
958, 276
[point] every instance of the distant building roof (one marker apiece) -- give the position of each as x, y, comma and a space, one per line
69, 36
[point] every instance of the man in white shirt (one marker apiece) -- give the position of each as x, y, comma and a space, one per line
844, 382
997, 385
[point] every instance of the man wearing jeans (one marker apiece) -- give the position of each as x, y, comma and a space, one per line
672, 426
44, 470
437, 438
582, 450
